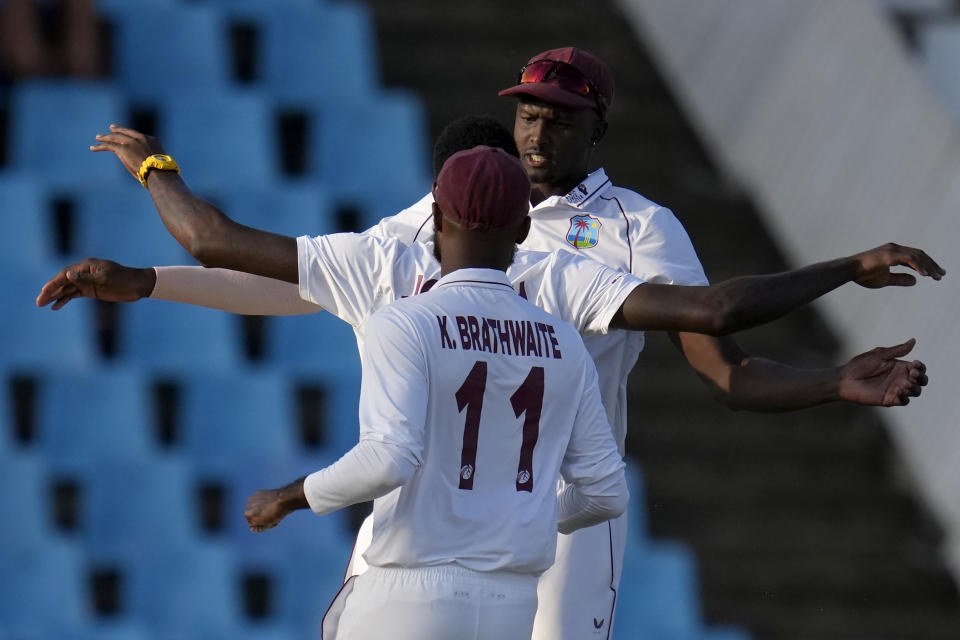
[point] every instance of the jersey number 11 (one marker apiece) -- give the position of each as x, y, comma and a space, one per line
528, 399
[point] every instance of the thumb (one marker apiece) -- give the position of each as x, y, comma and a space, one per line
897, 351
901, 280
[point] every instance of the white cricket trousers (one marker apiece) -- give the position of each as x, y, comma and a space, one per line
446, 602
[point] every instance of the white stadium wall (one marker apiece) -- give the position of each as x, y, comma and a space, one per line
821, 114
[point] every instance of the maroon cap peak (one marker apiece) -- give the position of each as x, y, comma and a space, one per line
561, 87
483, 188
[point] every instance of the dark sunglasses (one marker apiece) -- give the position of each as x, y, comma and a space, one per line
563, 75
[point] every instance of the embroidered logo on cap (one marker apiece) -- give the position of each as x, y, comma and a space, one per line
584, 232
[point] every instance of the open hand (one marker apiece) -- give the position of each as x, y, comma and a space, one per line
877, 377
873, 266
132, 147
265, 509
98, 279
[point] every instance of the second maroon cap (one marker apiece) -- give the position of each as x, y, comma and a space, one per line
483, 188
556, 89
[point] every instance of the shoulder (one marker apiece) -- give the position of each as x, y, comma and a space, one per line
632, 204
408, 226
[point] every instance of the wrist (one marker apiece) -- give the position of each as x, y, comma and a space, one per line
158, 162
834, 385
149, 282
292, 496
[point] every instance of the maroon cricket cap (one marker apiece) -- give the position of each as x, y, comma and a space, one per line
581, 80
483, 188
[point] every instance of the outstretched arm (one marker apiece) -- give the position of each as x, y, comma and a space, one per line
223, 289
206, 232
746, 302
741, 381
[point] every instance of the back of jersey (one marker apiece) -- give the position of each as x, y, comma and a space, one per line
487, 391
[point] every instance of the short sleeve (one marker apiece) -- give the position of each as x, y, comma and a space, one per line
346, 273
394, 388
663, 253
584, 292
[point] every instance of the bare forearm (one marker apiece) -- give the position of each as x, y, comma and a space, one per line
759, 384
214, 239
733, 305
741, 381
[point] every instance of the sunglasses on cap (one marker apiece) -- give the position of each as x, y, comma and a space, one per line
562, 75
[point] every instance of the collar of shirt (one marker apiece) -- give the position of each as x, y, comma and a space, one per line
474, 277
580, 195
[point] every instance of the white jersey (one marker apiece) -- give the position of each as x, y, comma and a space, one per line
353, 275
611, 225
493, 397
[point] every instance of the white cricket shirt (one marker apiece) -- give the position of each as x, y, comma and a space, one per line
492, 398
608, 224
353, 275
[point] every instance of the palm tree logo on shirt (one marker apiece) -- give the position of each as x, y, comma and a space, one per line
584, 232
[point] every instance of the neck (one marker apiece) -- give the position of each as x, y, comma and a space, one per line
478, 250
540, 191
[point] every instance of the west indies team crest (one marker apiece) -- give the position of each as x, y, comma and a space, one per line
584, 232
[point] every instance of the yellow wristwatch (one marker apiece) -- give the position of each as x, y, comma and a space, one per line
159, 161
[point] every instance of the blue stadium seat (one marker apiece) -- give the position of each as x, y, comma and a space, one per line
109, 630
293, 210
221, 138
130, 506
28, 235
383, 136
37, 338
233, 417
313, 53
317, 343
165, 48
24, 499
306, 587
303, 535
173, 338
658, 594
637, 527
102, 414
60, 154
254, 631
42, 588
7, 421
122, 224
191, 592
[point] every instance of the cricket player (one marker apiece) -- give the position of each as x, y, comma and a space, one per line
462, 438
635, 235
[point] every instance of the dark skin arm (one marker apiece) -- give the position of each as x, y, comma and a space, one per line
201, 228
740, 381
267, 507
742, 303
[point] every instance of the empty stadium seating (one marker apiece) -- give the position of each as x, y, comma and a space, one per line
121, 224
28, 231
237, 424
59, 155
34, 338
166, 337
89, 416
191, 54
223, 137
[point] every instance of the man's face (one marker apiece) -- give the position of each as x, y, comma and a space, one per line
554, 142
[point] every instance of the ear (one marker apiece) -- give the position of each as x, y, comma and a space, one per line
599, 130
523, 230
437, 218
